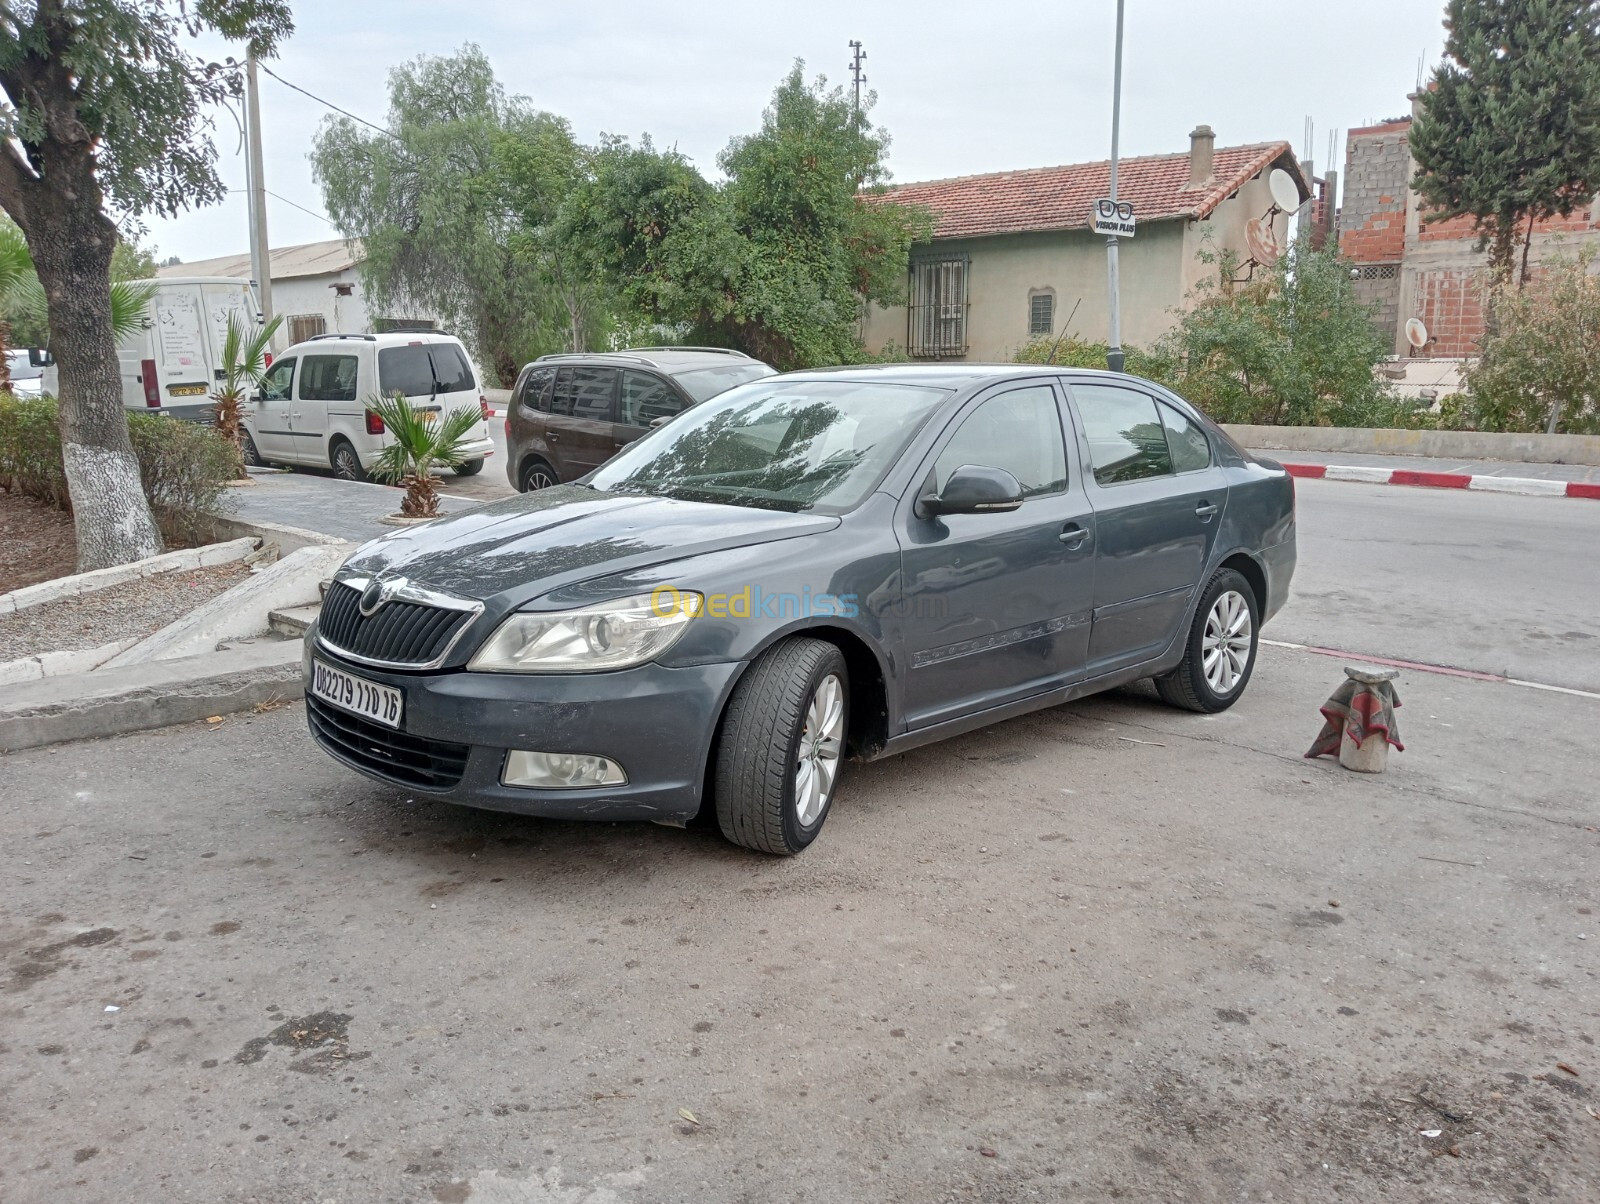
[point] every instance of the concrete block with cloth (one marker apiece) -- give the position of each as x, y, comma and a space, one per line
1359, 721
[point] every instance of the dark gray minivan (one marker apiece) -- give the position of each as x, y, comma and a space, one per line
854, 561
569, 414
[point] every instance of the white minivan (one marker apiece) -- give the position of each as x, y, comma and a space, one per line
310, 409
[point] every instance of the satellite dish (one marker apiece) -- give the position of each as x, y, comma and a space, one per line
1261, 241
1285, 192
1417, 333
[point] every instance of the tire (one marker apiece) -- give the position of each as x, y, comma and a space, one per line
1227, 619
247, 449
536, 474
346, 464
763, 766
469, 468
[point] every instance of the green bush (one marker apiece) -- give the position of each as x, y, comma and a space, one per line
185, 468
1080, 353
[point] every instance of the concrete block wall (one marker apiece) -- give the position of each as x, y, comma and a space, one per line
1372, 214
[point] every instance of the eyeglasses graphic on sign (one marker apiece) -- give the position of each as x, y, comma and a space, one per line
1113, 217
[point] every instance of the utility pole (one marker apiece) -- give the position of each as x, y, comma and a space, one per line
255, 186
1114, 356
858, 56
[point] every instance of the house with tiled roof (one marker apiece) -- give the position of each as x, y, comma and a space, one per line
1013, 256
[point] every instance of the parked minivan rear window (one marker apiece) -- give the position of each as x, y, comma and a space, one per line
414, 370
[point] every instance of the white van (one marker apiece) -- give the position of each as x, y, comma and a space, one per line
310, 407
172, 364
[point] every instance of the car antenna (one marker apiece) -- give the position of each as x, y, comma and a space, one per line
1065, 326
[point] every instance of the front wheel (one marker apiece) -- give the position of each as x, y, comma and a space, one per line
782, 746
1221, 650
247, 449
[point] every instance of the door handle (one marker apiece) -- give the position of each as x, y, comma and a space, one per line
1073, 536
552, 437
1205, 510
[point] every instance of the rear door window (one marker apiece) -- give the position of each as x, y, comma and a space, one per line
593, 390
406, 371
1126, 438
451, 369
328, 378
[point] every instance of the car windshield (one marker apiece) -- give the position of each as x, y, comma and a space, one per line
777, 444
704, 383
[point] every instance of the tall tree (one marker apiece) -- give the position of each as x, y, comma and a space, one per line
427, 198
107, 104
779, 260
1509, 128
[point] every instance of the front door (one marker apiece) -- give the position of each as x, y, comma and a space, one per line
583, 408
1158, 497
996, 607
274, 426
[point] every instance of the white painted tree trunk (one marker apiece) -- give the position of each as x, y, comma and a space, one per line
110, 531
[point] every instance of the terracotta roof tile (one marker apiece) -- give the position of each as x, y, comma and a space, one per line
1058, 198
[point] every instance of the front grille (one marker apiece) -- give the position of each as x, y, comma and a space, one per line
409, 760
400, 633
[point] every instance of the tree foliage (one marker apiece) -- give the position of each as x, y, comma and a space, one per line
1540, 367
1509, 129
779, 258
1294, 346
449, 201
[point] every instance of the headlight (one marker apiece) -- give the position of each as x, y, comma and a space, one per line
609, 635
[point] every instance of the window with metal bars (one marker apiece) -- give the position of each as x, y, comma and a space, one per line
1379, 271
1041, 314
306, 326
938, 315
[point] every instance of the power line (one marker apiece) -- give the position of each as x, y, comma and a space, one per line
321, 217
326, 103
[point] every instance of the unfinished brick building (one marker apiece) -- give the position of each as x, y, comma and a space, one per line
1413, 268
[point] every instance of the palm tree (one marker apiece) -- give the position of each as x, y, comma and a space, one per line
16, 267
244, 363
421, 439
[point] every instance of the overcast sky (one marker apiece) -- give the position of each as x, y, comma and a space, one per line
962, 87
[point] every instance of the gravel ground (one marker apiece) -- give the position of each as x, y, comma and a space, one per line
36, 543
137, 608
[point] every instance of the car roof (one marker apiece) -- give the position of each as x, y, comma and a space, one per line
953, 374
671, 360
389, 338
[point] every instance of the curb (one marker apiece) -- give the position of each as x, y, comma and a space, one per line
1531, 486
206, 556
113, 702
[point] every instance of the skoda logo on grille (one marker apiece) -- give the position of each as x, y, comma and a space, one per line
377, 593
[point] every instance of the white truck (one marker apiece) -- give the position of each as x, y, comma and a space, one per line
172, 364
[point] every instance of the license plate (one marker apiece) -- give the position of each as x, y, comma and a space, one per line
381, 704
187, 390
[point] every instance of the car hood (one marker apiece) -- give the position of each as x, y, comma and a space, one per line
512, 551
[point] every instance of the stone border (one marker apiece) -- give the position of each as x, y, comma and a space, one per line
118, 574
1438, 445
48, 664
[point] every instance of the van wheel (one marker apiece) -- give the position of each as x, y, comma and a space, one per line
247, 449
346, 464
538, 475
469, 468
782, 746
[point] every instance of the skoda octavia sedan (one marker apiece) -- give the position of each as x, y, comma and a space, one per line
805, 569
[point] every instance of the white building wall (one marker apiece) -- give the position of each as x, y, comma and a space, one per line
307, 296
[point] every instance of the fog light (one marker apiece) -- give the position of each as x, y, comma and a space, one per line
560, 771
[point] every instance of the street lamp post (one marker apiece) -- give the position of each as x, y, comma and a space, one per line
1114, 356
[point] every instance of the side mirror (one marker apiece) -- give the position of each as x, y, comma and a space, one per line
973, 489
40, 359
656, 423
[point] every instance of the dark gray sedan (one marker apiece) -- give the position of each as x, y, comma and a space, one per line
852, 562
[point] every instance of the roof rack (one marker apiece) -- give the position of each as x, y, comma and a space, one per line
712, 350
558, 356
371, 338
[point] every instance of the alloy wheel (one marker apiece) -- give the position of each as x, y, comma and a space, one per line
1225, 644
821, 742
537, 477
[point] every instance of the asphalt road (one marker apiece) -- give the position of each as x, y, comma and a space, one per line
1130, 953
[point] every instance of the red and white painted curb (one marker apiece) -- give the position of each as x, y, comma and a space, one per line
1444, 480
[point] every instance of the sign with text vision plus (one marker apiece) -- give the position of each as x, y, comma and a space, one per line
1112, 217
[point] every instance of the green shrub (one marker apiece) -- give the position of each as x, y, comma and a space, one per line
185, 468
1152, 364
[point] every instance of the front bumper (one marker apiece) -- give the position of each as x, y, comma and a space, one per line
656, 722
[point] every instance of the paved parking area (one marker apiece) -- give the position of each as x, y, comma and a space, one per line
1107, 951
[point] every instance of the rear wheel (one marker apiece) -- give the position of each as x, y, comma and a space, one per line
1221, 650
782, 746
536, 474
469, 468
346, 464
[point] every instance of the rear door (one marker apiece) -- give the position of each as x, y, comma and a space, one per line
1158, 496
457, 384
182, 350
222, 303
583, 409
646, 400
